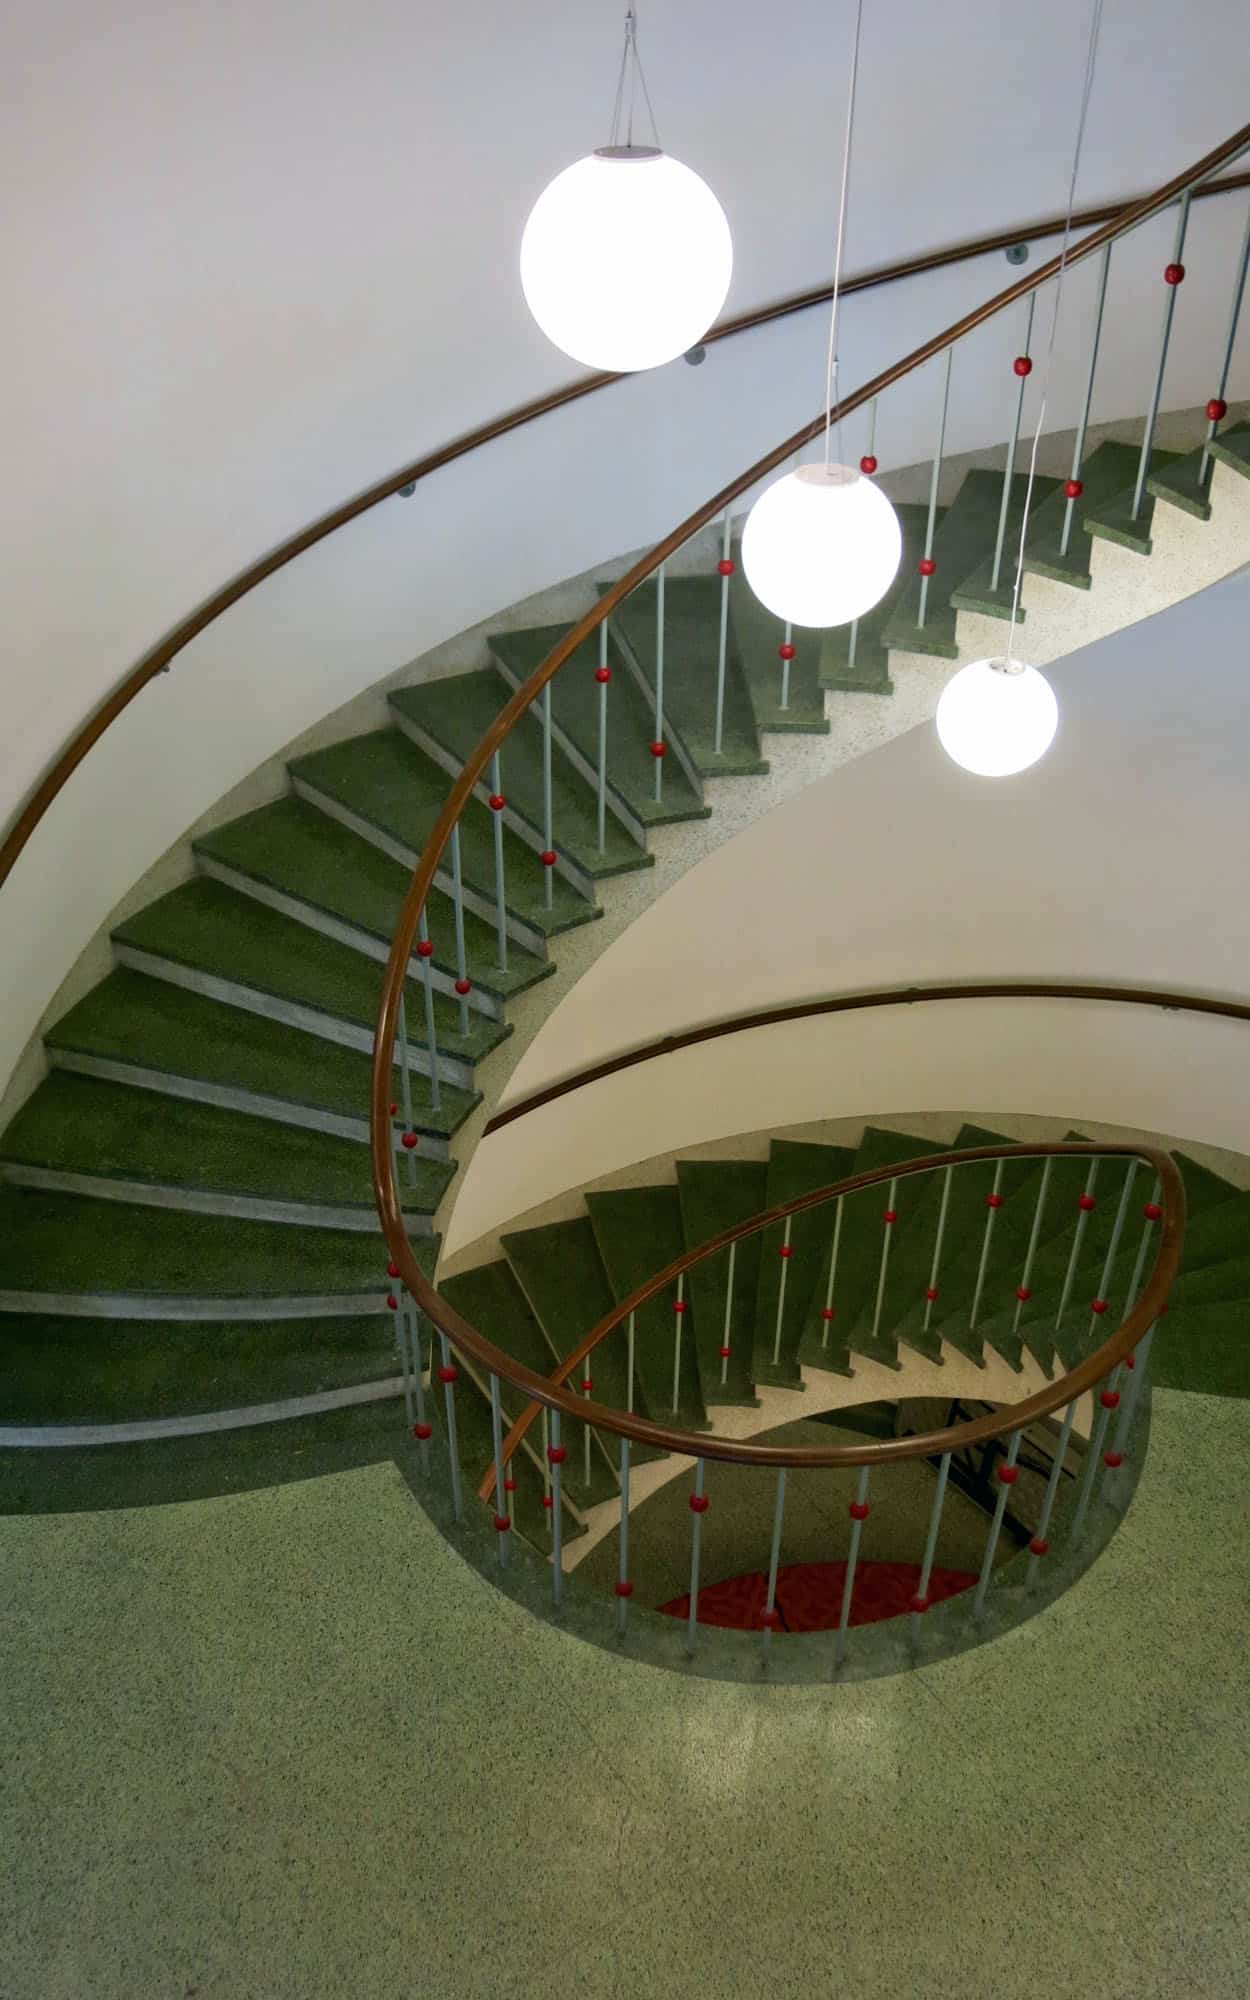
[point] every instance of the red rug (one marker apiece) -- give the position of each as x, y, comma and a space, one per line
809, 1595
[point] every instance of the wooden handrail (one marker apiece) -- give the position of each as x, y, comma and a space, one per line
1056, 1395
159, 657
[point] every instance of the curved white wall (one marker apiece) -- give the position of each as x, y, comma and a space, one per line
259, 254
1120, 859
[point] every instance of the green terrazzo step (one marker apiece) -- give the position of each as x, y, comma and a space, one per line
631, 723
1182, 483
58, 1243
209, 930
759, 634
714, 1195
559, 1269
1204, 1348
455, 714
869, 671
326, 872
491, 1299
116, 1371
960, 544
692, 608
1232, 448
1104, 475
394, 794
112, 1132
795, 1168
976, 591
195, 1044
638, 1231
1112, 520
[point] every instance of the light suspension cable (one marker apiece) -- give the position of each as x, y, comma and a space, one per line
831, 365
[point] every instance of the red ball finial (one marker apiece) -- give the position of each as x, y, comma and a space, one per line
464, 986
587, 1385
657, 749
1008, 1475
1217, 410
725, 567
1174, 274
1022, 365
1109, 1398
868, 463
785, 650
509, 1486
926, 566
930, 1292
392, 1269
1039, 1546
1023, 1294
423, 1431
1085, 1203
557, 1453
496, 802
425, 948
1073, 489
859, 1510
920, 1604
725, 1353
392, 1302
1113, 1459
623, 1587
826, 1312
698, 1503
603, 675
502, 1524
448, 1372
785, 1250
548, 1502
993, 1201
548, 857
408, 1142
394, 1109
1152, 1211
679, 1305
889, 1215
1098, 1306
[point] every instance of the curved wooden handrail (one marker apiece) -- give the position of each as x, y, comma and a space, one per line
856, 1003
159, 656
443, 1314
928, 1444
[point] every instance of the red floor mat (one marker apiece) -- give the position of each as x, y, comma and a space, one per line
809, 1595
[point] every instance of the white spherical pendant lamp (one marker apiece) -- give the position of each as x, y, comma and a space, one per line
821, 546
626, 259
996, 717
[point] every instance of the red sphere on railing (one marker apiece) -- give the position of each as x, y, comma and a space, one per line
725, 566
448, 1372
919, 1603
725, 1353
1022, 366
1086, 1202
770, 1619
1039, 1546
496, 802
1130, 1361
408, 1141
1152, 1211
1217, 410
557, 1453
392, 1269
785, 1250
1008, 1475
1109, 1399
1098, 1306
868, 463
657, 749
423, 1431
889, 1215
509, 1486
1023, 1294
394, 1109
392, 1302
548, 857
464, 986
785, 650
623, 1587
587, 1385
1113, 1459
698, 1503
1174, 274
826, 1312
1073, 489
993, 1201
548, 1502
926, 566
679, 1305
859, 1510
425, 948
930, 1292
502, 1524
603, 675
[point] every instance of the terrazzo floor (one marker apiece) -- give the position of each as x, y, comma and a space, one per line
286, 1744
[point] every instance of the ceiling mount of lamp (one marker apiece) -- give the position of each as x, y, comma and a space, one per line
626, 257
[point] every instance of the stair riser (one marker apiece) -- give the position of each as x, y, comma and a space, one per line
200, 1201
617, 806
671, 736
155, 1305
482, 906
289, 1012
480, 1000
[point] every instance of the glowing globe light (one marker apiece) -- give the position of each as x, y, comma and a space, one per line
997, 717
626, 259
821, 546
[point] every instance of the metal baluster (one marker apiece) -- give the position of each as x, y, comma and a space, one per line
785, 1254
1039, 1546
447, 1376
859, 1511
587, 1387
887, 1222
679, 1314
422, 1430
503, 1520
1143, 464
725, 1348
501, 905
1102, 1299
556, 1457
658, 745
603, 674
1128, 1410
785, 653
424, 952
1217, 402
726, 571
698, 1508
1078, 1237
629, 1364
624, 1588
1073, 489
931, 1289
867, 465
926, 560
462, 970
1007, 1476
770, 1611
1023, 1294
993, 1202
920, 1602
1108, 1400
547, 1506
1023, 367
549, 839
405, 1082
827, 1313
405, 1364
1152, 1212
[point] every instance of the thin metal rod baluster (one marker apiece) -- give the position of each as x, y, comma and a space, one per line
852, 645
1039, 1546
1239, 290
1078, 1237
422, 1429
784, 1254
1009, 469
447, 1376
727, 1328
859, 1514
827, 1314
1023, 1293
786, 651
1152, 1213
462, 969
774, 1558
629, 1364
1006, 1480
931, 1289
920, 1602
405, 1362
1148, 434
603, 676
501, 901
624, 1588
424, 949
555, 1455
726, 571
1078, 447
1141, 1359
887, 1226
868, 465
679, 1315
698, 1508
994, 1202
549, 837
926, 561
659, 684
503, 1520
1103, 1298
586, 1435
547, 1506
405, 1085
1108, 1400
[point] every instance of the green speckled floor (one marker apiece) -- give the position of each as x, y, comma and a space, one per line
286, 1745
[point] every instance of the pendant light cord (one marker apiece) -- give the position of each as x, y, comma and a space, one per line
1091, 57
631, 67
831, 365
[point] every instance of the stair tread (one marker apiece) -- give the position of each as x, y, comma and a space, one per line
1232, 447
1104, 474
960, 545
212, 929
860, 1248
795, 1168
291, 847
759, 633
692, 607
714, 1195
153, 1025
1204, 1347
631, 722
115, 1131
870, 673
457, 713
638, 1231
392, 786
1112, 519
